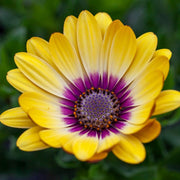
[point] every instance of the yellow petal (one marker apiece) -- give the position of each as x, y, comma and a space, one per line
149, 132
106, 45
30, 140
146, 87
51, 137
167, 100
98, 157
103, 20
39, 47
146, 45
67, 139
130, 128
16, 118
47, 118
57, 138
89, 40
139, 114
65, 57
31, 100
163, 52
107, 142
70, 31
85, 147
122, 52
40, 73
21, 83
130, 150
160, 63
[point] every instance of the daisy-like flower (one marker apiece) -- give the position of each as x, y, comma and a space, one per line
91, 90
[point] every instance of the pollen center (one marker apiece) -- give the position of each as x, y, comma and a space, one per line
97, 109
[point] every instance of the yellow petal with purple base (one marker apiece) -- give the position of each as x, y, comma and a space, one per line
89, 40
107, 142
65, 57
106, 45
129, 128
122, 51
139, 114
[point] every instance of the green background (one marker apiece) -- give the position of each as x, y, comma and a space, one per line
22, 19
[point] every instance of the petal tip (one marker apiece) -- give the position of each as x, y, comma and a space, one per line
85, 13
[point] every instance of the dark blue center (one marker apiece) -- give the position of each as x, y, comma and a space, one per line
97, 108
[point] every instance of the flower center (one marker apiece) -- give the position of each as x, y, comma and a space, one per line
97, 108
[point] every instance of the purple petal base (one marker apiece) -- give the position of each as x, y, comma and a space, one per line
111, 83
95, 79
66, 110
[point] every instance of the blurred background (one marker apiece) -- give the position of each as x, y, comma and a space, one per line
22, 19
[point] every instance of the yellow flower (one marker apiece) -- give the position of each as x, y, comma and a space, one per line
91, 90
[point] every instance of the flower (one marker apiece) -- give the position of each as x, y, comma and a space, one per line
93, 89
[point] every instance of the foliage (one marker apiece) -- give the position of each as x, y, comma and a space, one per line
22, 19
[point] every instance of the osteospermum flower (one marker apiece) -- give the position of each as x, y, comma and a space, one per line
91, 90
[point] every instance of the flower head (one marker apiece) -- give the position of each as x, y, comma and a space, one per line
91, 90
